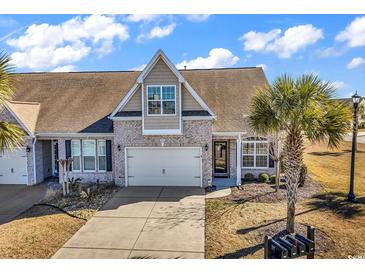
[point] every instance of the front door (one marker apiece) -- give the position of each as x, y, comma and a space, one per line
220, 158
55, 158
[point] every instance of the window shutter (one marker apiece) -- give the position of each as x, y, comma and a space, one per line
68, 150
108, 155
271, 161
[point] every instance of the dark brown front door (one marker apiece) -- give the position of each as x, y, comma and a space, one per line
220, 158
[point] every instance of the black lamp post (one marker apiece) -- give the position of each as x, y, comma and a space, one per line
355, 99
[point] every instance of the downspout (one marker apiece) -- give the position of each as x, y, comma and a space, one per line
34, 163
239, 171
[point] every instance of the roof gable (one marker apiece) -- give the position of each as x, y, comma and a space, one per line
25, 113
159, 55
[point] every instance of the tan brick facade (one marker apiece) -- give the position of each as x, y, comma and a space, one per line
195, 134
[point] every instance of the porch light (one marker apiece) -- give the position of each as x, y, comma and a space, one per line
206, 147
27, 149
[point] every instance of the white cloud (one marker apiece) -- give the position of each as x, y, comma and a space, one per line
157, 32
354, 34
257, 41
218, 58
339, 85
263, 66
45, 46
197, 17
136, 18
330, 52
141, 67
356, 62
283, 44
64, 68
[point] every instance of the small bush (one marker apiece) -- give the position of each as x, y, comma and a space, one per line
272, 179
249, 177
52, 194
264, 177
303, 175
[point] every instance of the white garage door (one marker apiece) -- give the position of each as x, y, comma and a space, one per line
164, 166
13, 167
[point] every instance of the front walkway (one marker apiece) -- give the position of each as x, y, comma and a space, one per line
15, 199
144, 222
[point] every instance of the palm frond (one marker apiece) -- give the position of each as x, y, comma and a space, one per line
11, 136
263, 118
6, 81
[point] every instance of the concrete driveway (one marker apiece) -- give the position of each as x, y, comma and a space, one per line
15, 199
144, 222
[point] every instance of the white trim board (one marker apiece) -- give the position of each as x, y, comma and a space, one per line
161, 132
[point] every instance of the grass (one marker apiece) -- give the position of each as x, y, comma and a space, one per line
235, 228
42, 230
331, 168
37, 233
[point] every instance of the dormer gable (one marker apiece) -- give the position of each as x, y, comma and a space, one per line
160, 98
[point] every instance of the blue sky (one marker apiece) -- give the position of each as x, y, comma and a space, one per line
332, 46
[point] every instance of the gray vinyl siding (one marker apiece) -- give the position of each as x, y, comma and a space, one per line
188, 101
135, 103
161, 74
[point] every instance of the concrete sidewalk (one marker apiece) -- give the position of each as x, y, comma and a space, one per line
15, 199
144, 222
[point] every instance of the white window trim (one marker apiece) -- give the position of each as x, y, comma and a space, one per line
255, 154
97, 155
161, 100
80, 143
82, 153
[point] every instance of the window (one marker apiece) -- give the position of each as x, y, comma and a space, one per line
76, 155
89, 155
102, 155
161, 100
255, 153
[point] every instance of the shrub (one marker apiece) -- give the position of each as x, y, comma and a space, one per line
249, 177
272, 179
52, 194
264, 177
303, 175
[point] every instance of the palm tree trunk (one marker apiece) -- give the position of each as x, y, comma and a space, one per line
293, 162
277, 175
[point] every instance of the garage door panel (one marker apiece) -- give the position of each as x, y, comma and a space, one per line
164, 166
13, 167
158, 181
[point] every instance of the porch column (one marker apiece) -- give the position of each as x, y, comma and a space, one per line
238, 161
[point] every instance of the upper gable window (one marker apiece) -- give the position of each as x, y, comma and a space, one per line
161, 100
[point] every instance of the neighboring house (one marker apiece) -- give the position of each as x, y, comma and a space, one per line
161, 126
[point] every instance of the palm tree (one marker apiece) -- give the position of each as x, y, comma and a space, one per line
11, 136
302, 109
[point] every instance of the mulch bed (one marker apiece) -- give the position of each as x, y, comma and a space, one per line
83, 206
265, 192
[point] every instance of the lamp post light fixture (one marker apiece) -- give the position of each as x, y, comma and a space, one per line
356, 100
